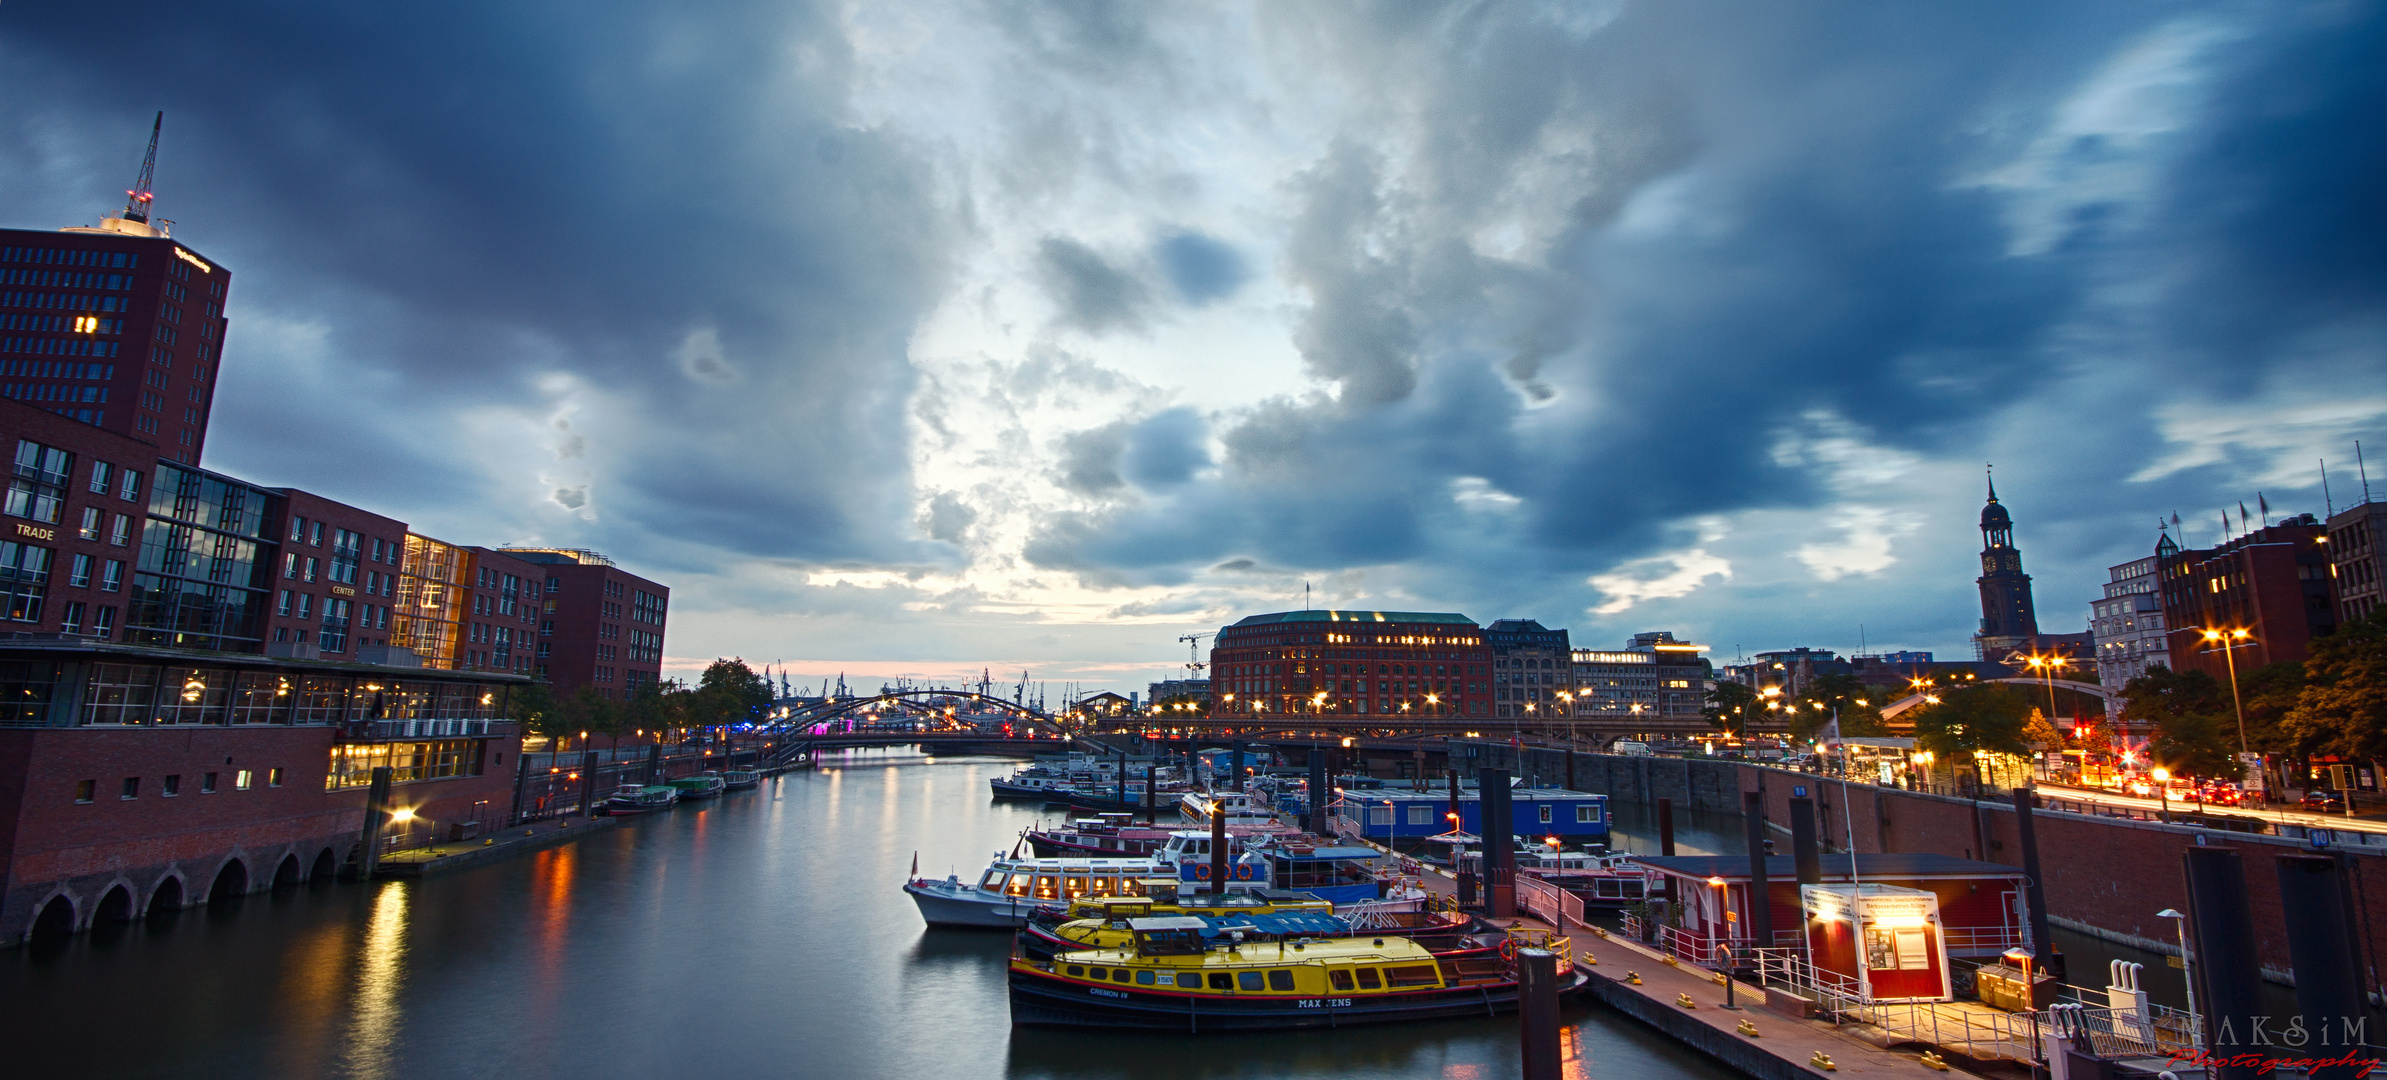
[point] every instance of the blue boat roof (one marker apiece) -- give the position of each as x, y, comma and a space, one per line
1466, 795
1330, 853
1287, 922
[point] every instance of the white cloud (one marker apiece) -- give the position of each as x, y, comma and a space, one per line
1863, 543
1657, 577
2284, 442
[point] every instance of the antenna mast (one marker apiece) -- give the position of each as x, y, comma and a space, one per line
136, 204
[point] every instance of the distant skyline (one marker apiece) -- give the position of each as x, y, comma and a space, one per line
931, 337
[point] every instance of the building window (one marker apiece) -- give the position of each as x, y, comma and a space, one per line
172, 786
122, 533
206, 783
334, 637
100, 474
104, 626
241, 780
37, 483
315, 535
306, 607
282, 606
310, 568
131, 789
111, 575
85, 789
79, 574
273, 778
72, 623
90, 527
24, 580
128, 486
298, 529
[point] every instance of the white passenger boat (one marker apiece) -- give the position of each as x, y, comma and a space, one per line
1010, 889
1243, 808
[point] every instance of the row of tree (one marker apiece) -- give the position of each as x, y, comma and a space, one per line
2334, 704
728, 693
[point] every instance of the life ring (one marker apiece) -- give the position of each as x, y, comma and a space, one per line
1508, 949
1243, 871
1201, 871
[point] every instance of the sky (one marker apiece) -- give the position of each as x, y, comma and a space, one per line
925, 338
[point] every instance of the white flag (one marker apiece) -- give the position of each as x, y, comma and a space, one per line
1830, 735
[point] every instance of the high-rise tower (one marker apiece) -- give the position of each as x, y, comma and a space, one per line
2008, 621
116, 325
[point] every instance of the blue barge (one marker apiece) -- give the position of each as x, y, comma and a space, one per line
1402, 818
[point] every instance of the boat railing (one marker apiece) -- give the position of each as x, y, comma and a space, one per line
1549, 903
1534, 937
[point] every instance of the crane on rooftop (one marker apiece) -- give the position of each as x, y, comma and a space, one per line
1193, 654
136, 204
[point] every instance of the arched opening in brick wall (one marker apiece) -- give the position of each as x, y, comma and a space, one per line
167, 899
325, 867
116, 907
286, 874
57, 920
231, 882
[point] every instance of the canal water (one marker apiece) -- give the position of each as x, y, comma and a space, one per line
763, 934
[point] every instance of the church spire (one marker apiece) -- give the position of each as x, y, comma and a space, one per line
1991, 470
2008, 617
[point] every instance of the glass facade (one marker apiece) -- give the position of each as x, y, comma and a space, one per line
149, 694
204, 568
352, 764
429, 613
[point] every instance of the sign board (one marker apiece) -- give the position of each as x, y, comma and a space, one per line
2253, 780
1798, 791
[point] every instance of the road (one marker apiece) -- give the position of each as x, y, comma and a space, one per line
2103, 797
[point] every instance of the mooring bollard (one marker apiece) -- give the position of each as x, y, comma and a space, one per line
1537, 1012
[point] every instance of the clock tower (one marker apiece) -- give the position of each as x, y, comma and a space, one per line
2008, 621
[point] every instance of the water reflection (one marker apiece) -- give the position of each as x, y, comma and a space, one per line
377, 1012
761, 933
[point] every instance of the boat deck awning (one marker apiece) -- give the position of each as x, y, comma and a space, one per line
1899, 866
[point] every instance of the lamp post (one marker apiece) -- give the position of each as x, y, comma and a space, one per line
2229, 658
1722, 955
2163, 792
2187, 975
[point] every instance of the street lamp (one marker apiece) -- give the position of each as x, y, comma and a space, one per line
2233, 640
2163, 793
1723, 954
2187, 974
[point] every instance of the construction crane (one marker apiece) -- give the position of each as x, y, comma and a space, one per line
136, 204
1193, 654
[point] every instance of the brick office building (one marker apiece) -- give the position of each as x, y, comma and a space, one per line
1532, 669
118, 325
2358, 558
152, 752
599, 625
2273, 584
1352, 663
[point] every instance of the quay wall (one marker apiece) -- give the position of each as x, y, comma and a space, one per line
171, 851
2106, 877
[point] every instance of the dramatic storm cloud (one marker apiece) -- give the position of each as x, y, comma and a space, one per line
918, 336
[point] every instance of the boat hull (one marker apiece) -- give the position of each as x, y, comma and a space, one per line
1043, 1000
941, 905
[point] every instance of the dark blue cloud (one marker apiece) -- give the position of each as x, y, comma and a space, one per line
1166, 449
1203, 269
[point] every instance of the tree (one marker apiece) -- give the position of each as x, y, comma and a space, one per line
592, 712
2042, 736
2162, 694
2269, 694
534, 707
1857, 704
1983, 717
1731, 705
2342, 708
2201, 745
739, 692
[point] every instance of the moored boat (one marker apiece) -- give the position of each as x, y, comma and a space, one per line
1010, 889
740, 779
641, 799
1171, 978
1104, 924
700, 786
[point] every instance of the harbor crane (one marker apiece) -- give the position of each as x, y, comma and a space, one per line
1193, 654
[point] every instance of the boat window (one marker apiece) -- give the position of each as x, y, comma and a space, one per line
1416, 975
1143, 978
1047, 886
1545, 813
1587, 812
1103, 886
1280, 979
993, 882
1076, 886
1339, 979
1368, 980
1098, 973
1019, 885
1247, 980
1120, 975
1076, 970
1220, 980
1129, 886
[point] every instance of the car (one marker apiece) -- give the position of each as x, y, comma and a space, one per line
2325, 800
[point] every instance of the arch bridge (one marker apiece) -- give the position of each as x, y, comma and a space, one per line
2102, 693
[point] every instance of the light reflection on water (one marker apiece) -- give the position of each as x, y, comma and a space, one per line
761, 933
